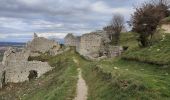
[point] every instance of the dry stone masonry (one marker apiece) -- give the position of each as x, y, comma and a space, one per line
42, 45
15, 66
94, 45
71, 40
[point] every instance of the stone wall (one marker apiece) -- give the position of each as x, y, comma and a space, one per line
94, 45
41, 44
71, 40
166, 28
15, 66
19, 71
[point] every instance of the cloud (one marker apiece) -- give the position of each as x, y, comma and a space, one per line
19, 19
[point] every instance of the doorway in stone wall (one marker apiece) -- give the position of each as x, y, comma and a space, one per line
32, 75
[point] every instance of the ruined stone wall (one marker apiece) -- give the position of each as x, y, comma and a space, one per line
42, 45
166, 28
90, 44
19, 71
12, 55
71, 40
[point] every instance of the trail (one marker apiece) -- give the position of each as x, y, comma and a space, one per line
82, 89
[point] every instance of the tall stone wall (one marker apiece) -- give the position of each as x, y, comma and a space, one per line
92, 44
71, 40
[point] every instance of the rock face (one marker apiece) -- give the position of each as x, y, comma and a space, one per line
71, 40
166, 28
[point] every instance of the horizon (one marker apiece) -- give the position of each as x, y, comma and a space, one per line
19, 19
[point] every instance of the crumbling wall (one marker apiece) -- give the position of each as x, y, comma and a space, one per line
71, 40
91, 44
42, 45
19, 71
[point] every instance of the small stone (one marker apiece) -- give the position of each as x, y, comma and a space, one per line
116, 68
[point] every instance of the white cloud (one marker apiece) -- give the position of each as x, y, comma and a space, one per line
102, 7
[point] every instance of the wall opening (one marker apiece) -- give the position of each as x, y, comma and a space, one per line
32, 75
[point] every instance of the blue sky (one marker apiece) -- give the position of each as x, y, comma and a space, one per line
19, 19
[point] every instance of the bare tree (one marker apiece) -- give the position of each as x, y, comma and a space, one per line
115, 28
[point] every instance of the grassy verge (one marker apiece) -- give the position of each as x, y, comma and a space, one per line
58, 84
125, 80
1, 57
156, 54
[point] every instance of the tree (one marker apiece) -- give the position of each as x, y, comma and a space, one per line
146, 19
115, 28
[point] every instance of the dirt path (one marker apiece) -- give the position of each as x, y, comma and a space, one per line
81, 85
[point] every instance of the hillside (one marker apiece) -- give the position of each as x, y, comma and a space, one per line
156, 54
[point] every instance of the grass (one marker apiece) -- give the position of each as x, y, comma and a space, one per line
1, 57
124, 80
128, 39
58, 84
156, 54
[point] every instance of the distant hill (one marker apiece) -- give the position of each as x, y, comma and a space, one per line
16, 44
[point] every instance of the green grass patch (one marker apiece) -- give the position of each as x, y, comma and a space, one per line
159, 53
126, 80
58, 84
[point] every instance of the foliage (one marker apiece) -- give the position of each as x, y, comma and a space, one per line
145, 23
115, 28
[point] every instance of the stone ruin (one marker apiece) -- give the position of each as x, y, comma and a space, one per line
15, 66
71, 40
40, 45
94, 45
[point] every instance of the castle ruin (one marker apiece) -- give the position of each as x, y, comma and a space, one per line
15, 66
93, 45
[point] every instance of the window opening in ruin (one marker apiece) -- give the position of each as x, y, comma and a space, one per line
32, 74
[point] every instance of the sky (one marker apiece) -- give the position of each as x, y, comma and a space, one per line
53, 19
